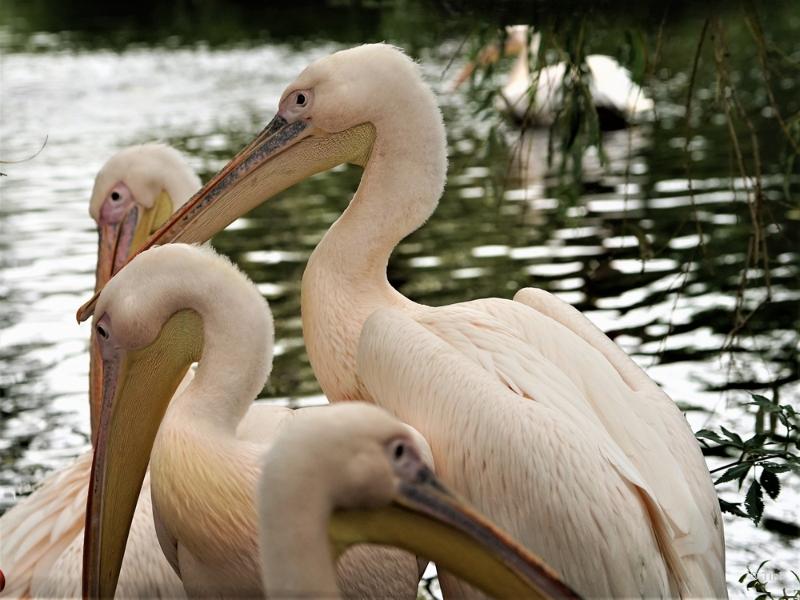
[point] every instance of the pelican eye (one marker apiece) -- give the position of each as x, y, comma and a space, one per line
102, 331
399, 450
301, 99
115, 196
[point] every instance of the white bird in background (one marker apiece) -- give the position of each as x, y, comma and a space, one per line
536, 98
176, 304
561, 439
42, 536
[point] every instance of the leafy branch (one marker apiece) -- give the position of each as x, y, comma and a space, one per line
759, 585
761, 458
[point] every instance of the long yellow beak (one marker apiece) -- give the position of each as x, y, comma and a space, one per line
118, 242
429, 520
137, 388
280, 156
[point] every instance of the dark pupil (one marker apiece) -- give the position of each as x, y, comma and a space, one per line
301, 98
102, 332
115, 196
398, 450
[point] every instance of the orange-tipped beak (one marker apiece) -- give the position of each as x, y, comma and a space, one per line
118, 242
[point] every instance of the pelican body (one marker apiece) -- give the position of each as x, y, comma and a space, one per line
42, 536
555, 411
537, 99
204, 476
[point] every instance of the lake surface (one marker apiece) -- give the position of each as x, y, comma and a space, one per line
653, 261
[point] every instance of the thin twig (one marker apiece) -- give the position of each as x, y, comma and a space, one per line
688, 133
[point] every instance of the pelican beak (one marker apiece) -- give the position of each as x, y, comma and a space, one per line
118, 242
283, 154
137, 388
121, 240
427, 519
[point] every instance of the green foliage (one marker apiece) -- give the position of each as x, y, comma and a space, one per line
757, 583
762, 458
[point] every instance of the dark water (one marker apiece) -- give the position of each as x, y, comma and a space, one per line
654, 261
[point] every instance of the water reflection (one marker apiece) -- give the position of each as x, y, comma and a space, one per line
628, 253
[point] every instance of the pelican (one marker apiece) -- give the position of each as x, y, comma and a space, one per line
367, 478
204, 479
556, 416
134, 193
203, 475
537, 100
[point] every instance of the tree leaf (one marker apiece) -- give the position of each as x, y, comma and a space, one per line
732, 508
757, 441
754, 502
769, 481
709, 435
776, 468
733, 436
734, 472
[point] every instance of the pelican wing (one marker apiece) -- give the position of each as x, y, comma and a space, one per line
612, 86
547, 475
654, 407
537, 358
36, 531
571, 318
41, 541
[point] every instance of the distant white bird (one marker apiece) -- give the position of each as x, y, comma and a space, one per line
41, 537
531, 412
536, 99
176, 304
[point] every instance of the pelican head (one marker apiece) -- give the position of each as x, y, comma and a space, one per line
333, 113
134, 194
355, 468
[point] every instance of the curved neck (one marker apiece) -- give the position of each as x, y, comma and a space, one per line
296, 553
520, 71
345, 279
237, 350
400, 188
202, 475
